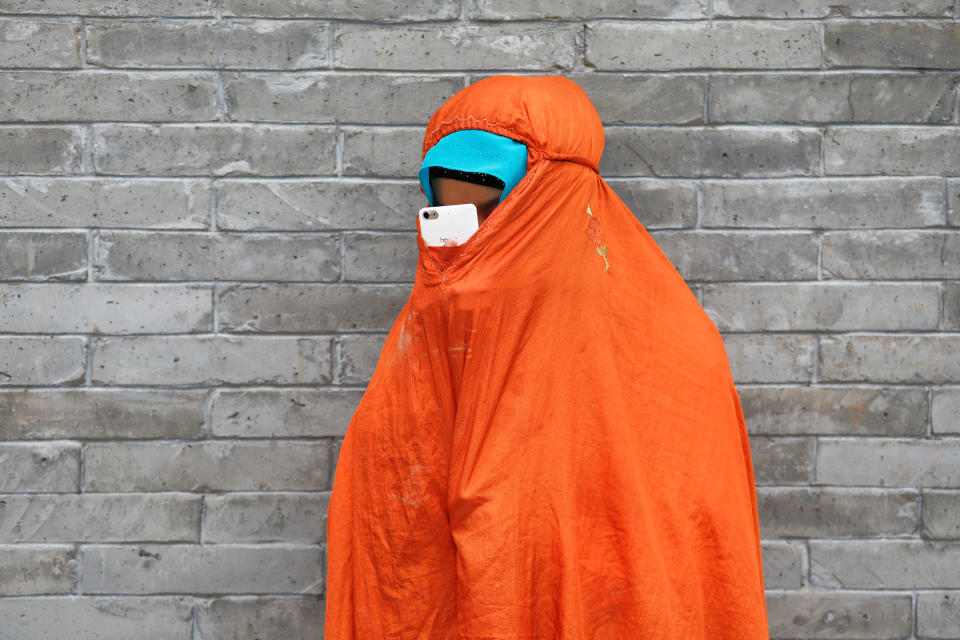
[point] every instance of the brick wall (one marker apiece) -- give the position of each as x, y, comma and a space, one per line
206, 231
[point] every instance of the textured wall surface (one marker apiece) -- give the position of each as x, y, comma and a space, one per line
206, 229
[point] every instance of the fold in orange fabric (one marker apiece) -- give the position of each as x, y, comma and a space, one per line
551, 445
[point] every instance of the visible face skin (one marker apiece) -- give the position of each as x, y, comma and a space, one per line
447, 191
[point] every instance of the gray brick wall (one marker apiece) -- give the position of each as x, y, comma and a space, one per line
189, 312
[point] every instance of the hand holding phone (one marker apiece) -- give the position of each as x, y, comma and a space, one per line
449, 225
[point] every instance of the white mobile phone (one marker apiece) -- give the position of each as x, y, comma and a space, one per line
452, 222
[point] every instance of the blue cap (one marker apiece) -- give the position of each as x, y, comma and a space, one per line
476, 151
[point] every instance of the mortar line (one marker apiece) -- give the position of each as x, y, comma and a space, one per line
82, 470
221, 98
203, 519
78, 554
914, 597
337, 360
88, 361
946, 202
215, 292
331, 44
212, 184
707, 86
194, 622
805, 564
941, 306
339, 138
920, 523
208, 414
83, 43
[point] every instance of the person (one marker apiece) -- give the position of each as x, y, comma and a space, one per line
482, 190
472, 166
551, 445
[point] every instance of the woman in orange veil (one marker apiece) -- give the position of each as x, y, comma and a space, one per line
551, 445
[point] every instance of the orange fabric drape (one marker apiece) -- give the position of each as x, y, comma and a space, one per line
551, 445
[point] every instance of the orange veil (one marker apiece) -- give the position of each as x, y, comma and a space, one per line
551, 445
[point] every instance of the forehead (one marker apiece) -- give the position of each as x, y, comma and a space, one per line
447, 188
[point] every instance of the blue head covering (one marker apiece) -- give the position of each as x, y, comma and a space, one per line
476, 151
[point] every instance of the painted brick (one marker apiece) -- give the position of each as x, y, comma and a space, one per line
953, 197
824, 203
37, 42
782, 564
380, 257
41, 360
214, 149
816, 615
98, 617
589, 10
941, 513
658, 204
938, 614
382, 152
311, 307
627, 46
890, 358
951, 305
770, 357
709, 152
346, 9
809, 306
40, 467
50, 150
105, 308
159, 569
111, 7
889, 463
104, 202
308, 205
37, 255
358, 357
815, 9
31, 96
455, 47
290, 618
210, 360
92, 517
841, 410
891, 254
904, 150
99, 414
737, 255
821, 97
282, 413
266, 517
945, 411
811, 512
206, 466
924, 45
201, 256
299, 44
336, 97
782, 460
37, 569
884, 564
